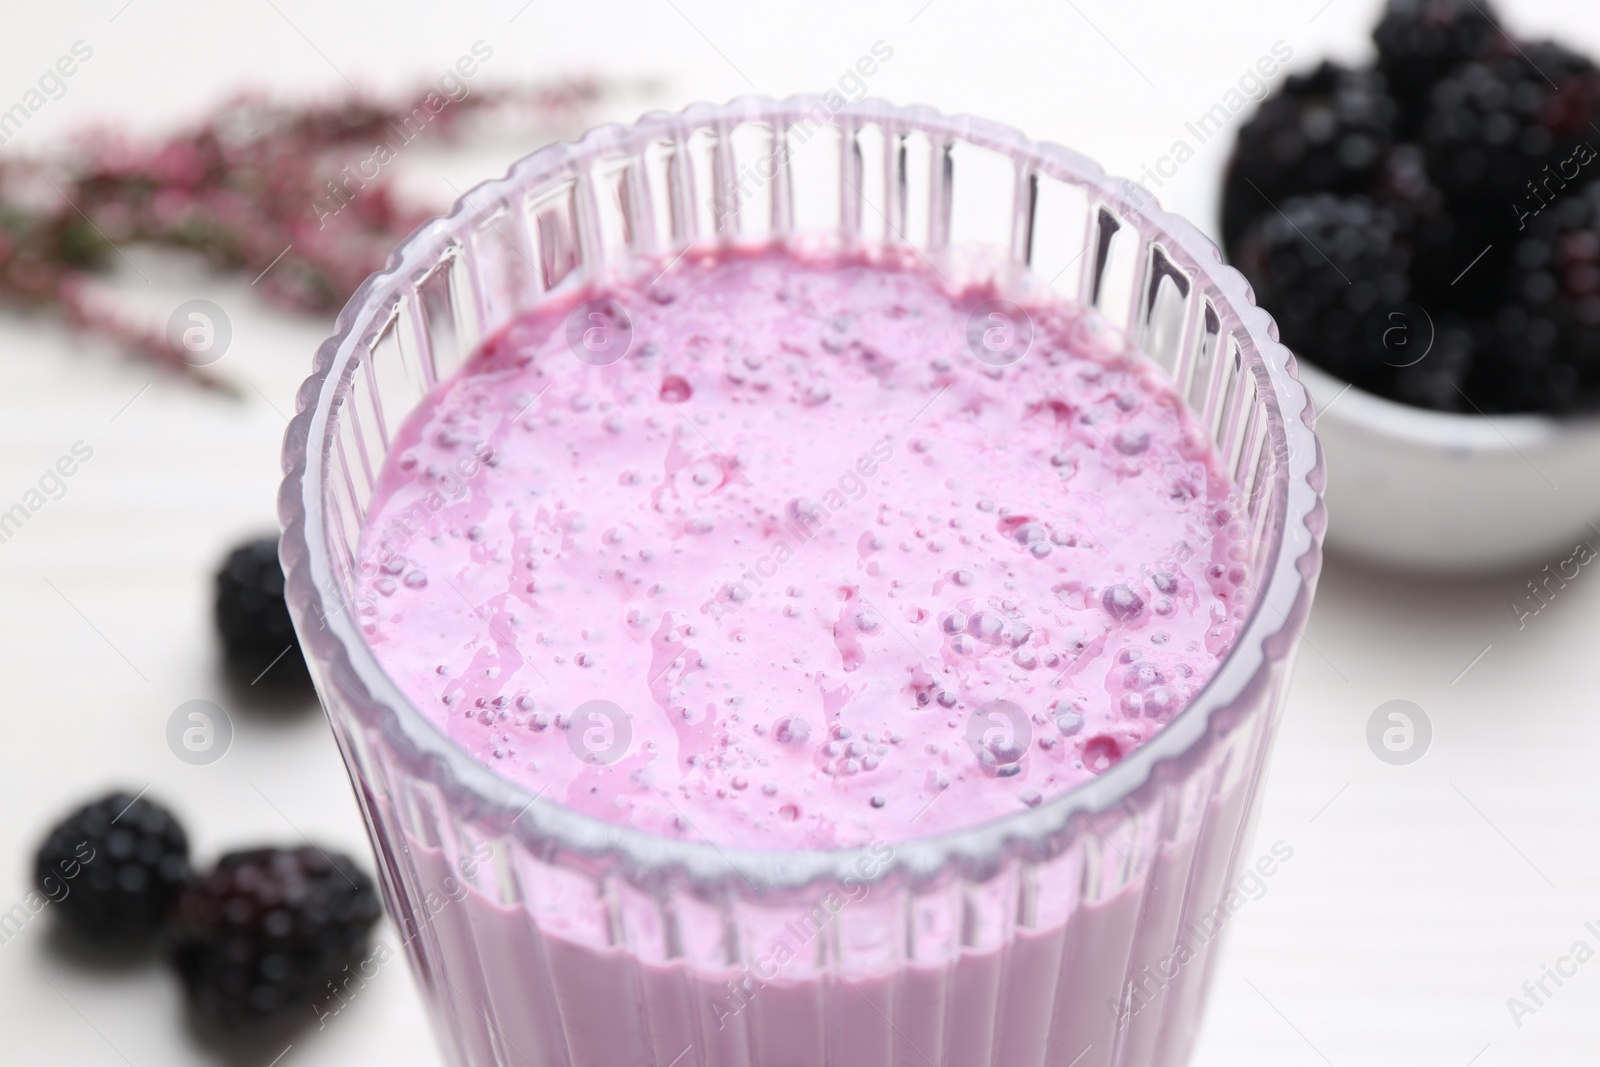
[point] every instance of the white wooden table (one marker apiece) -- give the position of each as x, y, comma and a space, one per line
1418, 898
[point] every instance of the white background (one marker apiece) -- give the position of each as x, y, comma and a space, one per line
1418, 898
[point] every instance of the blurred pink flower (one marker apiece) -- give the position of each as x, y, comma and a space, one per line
249, 188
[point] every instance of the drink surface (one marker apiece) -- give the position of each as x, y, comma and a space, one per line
780, 551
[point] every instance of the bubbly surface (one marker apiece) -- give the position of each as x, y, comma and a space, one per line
785, 551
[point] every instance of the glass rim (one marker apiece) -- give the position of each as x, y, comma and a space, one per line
342, 658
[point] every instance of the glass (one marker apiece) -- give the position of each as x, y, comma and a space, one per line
1079, 932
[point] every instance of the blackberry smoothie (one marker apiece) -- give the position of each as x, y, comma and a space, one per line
782, 550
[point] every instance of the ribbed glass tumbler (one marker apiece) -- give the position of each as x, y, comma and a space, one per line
1080, 932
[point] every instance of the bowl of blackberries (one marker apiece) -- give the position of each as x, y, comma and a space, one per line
1425, 231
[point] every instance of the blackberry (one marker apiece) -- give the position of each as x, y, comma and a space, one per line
1549, 321
1421, 41
1403, 181
1326, 131
1460, 259
252, 614
113, 867
1329, 269
1442, 244
1493, 126
265, 932
1443, 376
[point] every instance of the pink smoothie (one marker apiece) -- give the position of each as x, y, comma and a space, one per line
782, 550
796, 552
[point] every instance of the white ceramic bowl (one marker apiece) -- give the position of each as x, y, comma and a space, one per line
1429, 492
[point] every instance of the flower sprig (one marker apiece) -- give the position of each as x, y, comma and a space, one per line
258, 189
